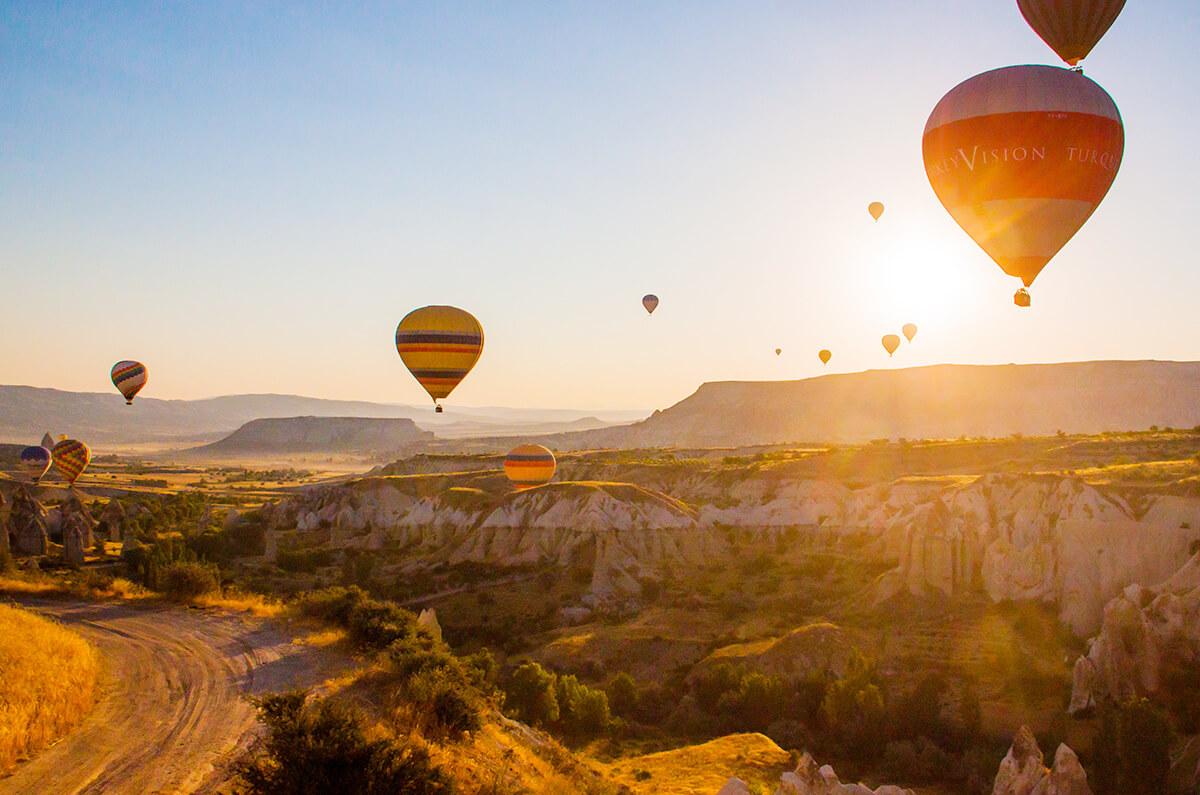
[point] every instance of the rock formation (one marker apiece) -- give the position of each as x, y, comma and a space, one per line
428, 620
74, 513
4, 542
74, 533
1143, 629
735, 786
1022, 771
112, 518
29, 523
808, 779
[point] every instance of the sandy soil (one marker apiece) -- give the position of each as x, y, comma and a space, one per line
173, 711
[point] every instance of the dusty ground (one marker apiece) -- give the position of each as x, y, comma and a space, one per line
173, 711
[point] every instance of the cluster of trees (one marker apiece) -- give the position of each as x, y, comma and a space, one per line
558, 702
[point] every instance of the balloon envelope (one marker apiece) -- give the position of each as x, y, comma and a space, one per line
1071, 27
35, 460
129, 377
1020, 157
439, 345
650, 302
890, 343
529, 465
778, 351
875, 209
910, 331
71, 457
825, 356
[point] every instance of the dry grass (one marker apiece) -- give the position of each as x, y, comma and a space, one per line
753, 758
48, 683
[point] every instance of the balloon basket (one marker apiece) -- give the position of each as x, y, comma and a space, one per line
1021, 298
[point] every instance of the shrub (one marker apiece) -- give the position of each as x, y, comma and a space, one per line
530, 695
312, 749
188, 580
623, 694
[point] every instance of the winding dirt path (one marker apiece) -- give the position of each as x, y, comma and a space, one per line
173, 713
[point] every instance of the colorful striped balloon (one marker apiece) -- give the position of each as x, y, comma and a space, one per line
439, 345
529, 465
1021, 157
36, 461
71, 457
129, 377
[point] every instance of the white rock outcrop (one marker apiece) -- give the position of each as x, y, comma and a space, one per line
1142, 629
1022, 771
808, 779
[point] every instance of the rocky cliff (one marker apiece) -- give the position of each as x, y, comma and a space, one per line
361, 435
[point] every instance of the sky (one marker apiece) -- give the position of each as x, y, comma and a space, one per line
248, 197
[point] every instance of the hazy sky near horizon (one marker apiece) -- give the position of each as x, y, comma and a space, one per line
248, 197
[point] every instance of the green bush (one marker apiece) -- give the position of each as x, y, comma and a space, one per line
187, 580
322, 748
530, 695
304, 560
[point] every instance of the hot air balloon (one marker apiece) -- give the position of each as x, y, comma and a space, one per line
650, 302
71, 457
1071, 27
529, 465
778, 351
35, 460
439, 345
1020, 157
875, 209
129, 377
910, 331
825, 356
890, 343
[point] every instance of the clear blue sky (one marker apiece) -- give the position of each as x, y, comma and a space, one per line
249, 197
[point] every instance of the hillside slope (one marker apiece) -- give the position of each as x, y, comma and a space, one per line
940, 401
319, 435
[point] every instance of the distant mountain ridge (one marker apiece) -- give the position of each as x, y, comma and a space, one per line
27, 412
942, 401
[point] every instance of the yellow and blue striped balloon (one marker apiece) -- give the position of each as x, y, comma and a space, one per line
529, 465
129, 377
71, 457
439, 345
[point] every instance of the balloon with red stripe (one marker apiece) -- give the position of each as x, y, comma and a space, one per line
71, 457
529, 465
129, 377
439, 345
1021, 157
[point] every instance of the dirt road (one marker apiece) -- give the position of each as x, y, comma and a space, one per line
172, 713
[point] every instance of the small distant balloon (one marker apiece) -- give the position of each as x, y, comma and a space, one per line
875, 209
36, 461
129, 377
825, 356
778, 351
71, 457
890, 343
910, 331
650, 302
529, 465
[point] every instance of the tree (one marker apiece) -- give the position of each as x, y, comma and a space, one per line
530, 695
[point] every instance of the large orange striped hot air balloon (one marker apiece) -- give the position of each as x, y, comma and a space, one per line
1021, 157
129, 377
529, 465
439, 345
1071, 27
71, 457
